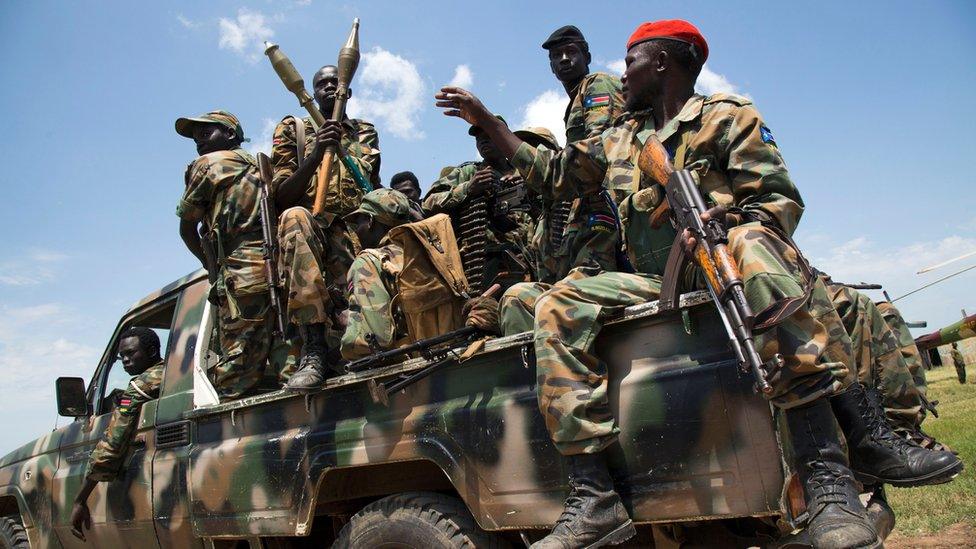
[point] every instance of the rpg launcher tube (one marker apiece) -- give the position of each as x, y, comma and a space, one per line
293, 81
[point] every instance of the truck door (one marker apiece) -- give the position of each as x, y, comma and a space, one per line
121, 510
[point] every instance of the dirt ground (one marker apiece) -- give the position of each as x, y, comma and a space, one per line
957, 535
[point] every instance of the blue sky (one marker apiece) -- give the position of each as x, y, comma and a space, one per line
869, 102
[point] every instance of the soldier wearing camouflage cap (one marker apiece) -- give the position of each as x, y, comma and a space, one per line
374, 321
725, 143
316, 251
222, 195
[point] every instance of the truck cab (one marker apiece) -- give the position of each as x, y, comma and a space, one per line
461, 457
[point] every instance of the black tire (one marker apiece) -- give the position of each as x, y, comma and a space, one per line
12, 534
417, 520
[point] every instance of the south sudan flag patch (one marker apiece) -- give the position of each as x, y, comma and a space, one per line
593, 101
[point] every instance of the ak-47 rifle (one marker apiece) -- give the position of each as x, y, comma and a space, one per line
711, 255
269, 244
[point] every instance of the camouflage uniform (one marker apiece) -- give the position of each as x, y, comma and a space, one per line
878, 360
723, 140
375, 318
960, 363
316, 252
107, 457
222, 190
906, 344
450, 195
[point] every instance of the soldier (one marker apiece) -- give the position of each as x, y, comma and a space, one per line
723, 140
408, 184
488, 248
316, 251
375, 320
140, 355
222, 195
960, 363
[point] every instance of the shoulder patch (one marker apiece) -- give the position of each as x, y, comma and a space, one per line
595, 101
728, 98
767, 136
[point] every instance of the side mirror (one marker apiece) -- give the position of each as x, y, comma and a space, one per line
72, 401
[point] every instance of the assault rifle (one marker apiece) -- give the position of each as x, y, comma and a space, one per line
711, 255
269, 238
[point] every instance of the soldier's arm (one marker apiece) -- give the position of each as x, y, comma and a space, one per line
448, 193
604, 92
106, 459
369, 154
577, 170
370, 312
289, 180
197, 199
760, 180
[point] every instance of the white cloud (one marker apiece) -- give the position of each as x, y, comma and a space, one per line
187, 22
261, 142
616, 66
710, 82
246, 34
547, 110
390, 94
463, 77
36, 267
303, 2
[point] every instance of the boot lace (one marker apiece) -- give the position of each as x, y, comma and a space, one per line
573, 505
882, 433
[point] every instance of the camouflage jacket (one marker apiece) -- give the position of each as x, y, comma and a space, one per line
223, 191
373, 311
593, 107
106, 460
721, 138
361, 145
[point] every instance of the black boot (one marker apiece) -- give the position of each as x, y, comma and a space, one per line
836, 517
923, 439
312, 370
593, 515
880, 514
878, 455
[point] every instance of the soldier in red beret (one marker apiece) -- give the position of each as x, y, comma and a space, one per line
726, 145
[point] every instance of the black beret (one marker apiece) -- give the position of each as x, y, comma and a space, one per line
563, 35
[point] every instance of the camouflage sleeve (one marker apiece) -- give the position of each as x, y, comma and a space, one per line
578, 170
369, 152
201, 189
602, 101
448, 193
756, 169
107, 457
284, 153
369, 309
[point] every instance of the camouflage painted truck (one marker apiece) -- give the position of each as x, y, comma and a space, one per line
459, 459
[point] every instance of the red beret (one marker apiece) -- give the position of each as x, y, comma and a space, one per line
672, 29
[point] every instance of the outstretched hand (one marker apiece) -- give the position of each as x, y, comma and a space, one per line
462, 104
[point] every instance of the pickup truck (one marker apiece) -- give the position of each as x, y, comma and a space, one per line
459, 459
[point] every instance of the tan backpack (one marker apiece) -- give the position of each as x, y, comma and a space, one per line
432, 287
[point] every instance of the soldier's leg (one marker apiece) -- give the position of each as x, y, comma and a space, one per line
245, 341
517, 307
573, 381
906, 343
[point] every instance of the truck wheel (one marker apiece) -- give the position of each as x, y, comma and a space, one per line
416, 520
12, 534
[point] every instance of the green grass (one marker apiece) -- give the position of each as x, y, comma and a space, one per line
932, 508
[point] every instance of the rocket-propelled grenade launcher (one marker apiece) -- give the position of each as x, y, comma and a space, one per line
293, 81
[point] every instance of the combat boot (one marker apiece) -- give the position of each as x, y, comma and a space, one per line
878, 454
593, 515
836, 518
312, 370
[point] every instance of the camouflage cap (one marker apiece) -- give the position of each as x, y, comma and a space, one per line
185, 125
538, 136
387, 206
475, 129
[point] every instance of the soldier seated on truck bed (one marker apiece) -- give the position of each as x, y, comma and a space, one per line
375, 317
139, 352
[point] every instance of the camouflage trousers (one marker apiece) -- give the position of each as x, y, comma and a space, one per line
314, 255
878, 360
248, 348
569, 315
906, 344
